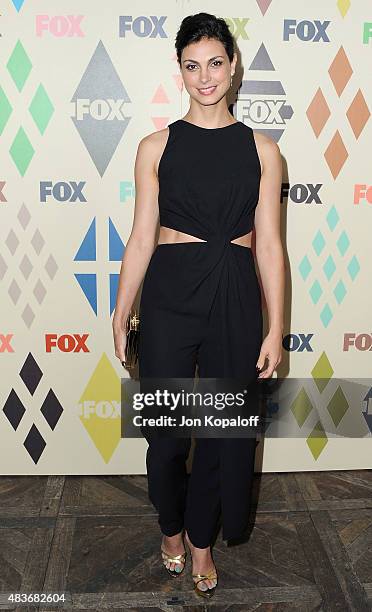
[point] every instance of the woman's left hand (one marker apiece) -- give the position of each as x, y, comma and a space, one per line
272, 350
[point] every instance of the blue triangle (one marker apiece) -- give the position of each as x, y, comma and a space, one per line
116, 246
114, 283
88, 283
18, 4
87, 249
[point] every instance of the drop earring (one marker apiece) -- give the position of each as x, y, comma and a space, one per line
230, 80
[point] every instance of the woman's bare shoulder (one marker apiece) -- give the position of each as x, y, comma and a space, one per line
267, 149
152, 145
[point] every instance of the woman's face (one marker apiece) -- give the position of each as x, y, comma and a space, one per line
206, 70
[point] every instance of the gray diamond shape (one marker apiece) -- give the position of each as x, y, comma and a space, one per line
101, 81
24, 216
3, 267
37, 242
25, 266
51, 267
28, 315
39, 291
12, 242
14, 291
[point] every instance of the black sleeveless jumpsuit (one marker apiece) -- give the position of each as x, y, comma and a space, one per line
201, 304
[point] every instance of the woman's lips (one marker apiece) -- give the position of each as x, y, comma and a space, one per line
207, 91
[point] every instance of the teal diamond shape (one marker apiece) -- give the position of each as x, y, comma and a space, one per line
19, 66
332, 218
339, 291
315, 291
353, 267
326, 315
21, 151
343, 243
318, 242
41, 108
5, 110
329, 267
305, 267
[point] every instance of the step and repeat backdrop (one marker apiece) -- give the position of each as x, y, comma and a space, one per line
79, 87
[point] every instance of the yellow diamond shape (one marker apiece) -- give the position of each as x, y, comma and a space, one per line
99, 408
301, 407
317, 440
322, 372
337, 406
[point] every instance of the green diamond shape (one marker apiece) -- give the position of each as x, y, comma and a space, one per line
338, 406
329, 267
305, 267
339, 291
353, 267
322, 372
19, 66
21, 151
326, 315
317, 440
332, 218
301, 407
41, 108
318, 242
343, 243
5, 110
315, 292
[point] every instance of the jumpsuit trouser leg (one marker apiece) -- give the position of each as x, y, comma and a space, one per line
195, 503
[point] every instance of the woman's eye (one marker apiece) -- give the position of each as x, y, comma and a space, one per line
216, 62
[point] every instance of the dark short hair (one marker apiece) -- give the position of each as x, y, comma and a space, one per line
195, 27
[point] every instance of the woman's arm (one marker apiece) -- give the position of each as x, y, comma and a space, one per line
141, 242
269, 250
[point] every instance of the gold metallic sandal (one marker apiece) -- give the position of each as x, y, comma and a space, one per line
179, 559
212, 575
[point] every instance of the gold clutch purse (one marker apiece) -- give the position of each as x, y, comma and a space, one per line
132, 333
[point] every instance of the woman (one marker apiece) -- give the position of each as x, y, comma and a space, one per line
209, 178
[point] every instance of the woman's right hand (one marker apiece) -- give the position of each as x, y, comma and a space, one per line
120, 336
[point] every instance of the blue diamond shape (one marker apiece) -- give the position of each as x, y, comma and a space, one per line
353, 267
343, 243
332, 218
339, 291
305, 267
329, 267
326, 315
318, 242
315, 292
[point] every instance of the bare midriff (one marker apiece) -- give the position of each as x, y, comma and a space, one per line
169, 236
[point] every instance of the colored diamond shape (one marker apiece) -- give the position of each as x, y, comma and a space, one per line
353, 267
317, 440
315, 292
41, 108
332, 218
21, 151
5, 110
301, 407
318, 112
305, 267
322, 372
326, 315
336, 154
339, 291
337, 406
340, 71
19, 66
343, 243
329, 267
318, 242
343, 6
358, 114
